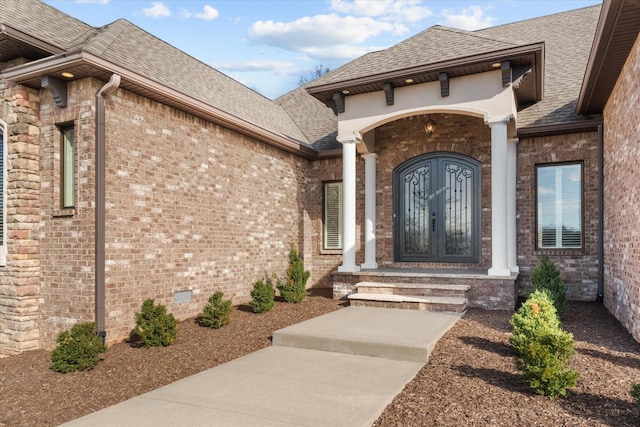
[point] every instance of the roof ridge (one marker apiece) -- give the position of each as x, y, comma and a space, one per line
476, 34
99, 40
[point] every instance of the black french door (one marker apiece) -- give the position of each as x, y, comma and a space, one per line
437, 209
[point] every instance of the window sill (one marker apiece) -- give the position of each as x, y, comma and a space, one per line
63, 212
330, 251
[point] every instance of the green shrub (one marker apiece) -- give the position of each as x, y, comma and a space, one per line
155, 326
294, 288
545, 275
78, 350
542, 348
262, 296
217, 313
635, 393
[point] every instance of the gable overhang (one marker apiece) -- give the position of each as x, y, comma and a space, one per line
82, 64
526, 65
17, 44
616, 34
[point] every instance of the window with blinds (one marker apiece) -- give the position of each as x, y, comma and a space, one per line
332, 215
559, 206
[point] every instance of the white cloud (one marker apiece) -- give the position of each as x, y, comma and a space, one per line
310, 33
208, 13
386, 10
157, 10
470, 18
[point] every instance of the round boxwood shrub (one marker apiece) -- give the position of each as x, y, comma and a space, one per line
155, 326
78, 349
262, 296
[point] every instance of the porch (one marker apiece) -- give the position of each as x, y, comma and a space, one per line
385, 287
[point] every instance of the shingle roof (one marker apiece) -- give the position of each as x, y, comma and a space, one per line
567, 36
43, 22
431, 46
130, 47
127, 46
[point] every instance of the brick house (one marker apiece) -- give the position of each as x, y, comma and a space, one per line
131, 171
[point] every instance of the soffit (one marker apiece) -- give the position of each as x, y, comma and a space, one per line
617, 31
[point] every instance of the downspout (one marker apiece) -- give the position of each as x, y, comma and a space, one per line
600, 297
107, 89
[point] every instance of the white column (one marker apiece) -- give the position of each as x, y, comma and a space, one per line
348, 205
370, 210
512, 231
499, 235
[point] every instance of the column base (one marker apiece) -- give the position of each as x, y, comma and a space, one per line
502, 272
369, 266
348, 269
514, 269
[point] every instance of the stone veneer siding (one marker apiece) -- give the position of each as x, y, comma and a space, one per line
19, 278
578, 267
622, 197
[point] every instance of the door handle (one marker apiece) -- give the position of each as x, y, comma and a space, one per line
433, 221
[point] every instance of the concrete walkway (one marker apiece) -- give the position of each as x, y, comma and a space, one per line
339, 369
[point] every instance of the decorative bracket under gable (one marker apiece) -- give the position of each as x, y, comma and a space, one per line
338, 99
58, 89
388, 93
505, 66
444, 84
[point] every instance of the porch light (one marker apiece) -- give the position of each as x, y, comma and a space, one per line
430, 126
408, 81
67, 74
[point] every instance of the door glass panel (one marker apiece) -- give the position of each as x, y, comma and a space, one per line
416, 210
458, 196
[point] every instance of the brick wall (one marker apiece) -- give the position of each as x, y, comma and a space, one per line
190, 207
622, 197
19, 278
579, 267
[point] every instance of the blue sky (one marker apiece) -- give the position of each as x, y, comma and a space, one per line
268, 45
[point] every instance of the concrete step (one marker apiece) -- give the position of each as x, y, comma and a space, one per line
424, 289
407, 335
412, 302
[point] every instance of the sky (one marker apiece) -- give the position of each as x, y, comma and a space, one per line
269, 45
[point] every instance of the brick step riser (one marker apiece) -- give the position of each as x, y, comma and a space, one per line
422, 280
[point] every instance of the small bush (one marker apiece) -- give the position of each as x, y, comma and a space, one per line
545, 275
78, 350
155, 326
635, 393
542, 348
217, 313
294, 288
262, 296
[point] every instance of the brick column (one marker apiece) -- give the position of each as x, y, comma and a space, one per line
20, 278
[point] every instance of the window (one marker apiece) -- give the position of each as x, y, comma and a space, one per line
559, 197
3, 199
67, 185
332, 215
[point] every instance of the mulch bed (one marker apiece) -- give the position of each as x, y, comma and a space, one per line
469, 380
